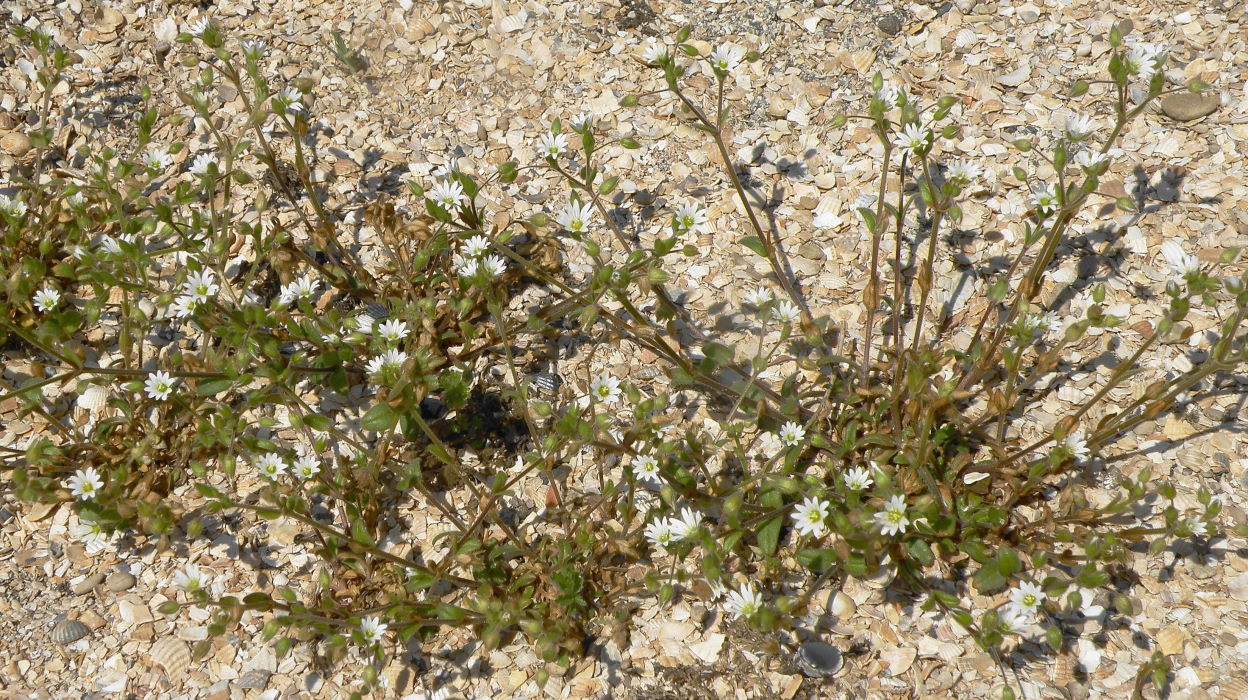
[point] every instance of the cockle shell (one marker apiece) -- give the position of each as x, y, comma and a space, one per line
93, 399
965, 39
173, 655
513, 23
68, 631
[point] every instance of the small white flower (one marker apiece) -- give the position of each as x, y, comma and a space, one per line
760, 297
446, 170
476, 246
686, 524
605, 388
306, 467
726, 58
646, 467
1088, 607
653, 53
690, 218
157, 159
963, 171
92, 535
891, 96
200, 27
1044, 198
185, 305
466, 267
85, 483
792, 434
74, 200
858, 479
372, 629
493, 266
200, 286
1027, 597
1197, 526
12, 207
270, 466
892, 520
913, 138
1091, 161
787, 312
289, 98
449, 194
253, 50
190, 579
575, 217
159, 385
46, 299
660, 534
1144, 60
1075, 445
1088, 655
1079, 127
1181, 264
743, 602
551, 145
203, 164
303, 288
580, 122
392, 331
391, 360
809, 515
718, 589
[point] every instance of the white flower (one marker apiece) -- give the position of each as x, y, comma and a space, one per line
12, 207
74, 200
493, 266
1088, 655
686, 524
1091, 161
605, 388
787, 312
391, 359
159, 385
306, 467
792, 434
270, 466
302, 288
963, 171
575, 217
726, 58
372, 628
1075, 445
892, 520
289, 98
760, 297
1088, 607
1144, 59
660, 534
551, 145
653, 53
690, 218
809, 515
156, 159
200, 285
85, 483
448, 193
1181, 264
913, 138
858, 478
646, 467
891, 96
1027, 597
466, 267
190, 579
253, 50
46, 299
198, 28
1197, 526
203, 163
1079, 127
185, 305
1044, 198
476, 246
1013, 620
743, 602
392, 331
92, 535
580, 121
717, 589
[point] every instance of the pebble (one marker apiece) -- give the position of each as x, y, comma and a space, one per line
119, 581
1186, 106
84, 586
889, 24
15, 143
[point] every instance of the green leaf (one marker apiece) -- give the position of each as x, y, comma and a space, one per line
359, 533
921, 551
608, 185
755, 244
169, 607
718, 353
1125, 204
768, 533
379, 418
1007, 561
1053, 636
317, 422
1079, 88
508, 171
988, 579
212, 387
629, 142
817, 560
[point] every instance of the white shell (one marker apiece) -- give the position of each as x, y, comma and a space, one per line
843, 606
93, 399
965, 39
67, 631
173, 655
513, 23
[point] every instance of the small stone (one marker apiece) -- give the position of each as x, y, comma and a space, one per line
15, 143
120, 581
1029, 13
84, 586
819, 659
1238, 587
1186, 106
889, 24
1125, 27
254, 680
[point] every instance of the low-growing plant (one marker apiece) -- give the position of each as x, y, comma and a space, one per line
215, 320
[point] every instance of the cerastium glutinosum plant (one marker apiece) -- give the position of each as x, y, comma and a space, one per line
238, 325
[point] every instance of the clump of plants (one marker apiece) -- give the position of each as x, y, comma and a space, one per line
228, 356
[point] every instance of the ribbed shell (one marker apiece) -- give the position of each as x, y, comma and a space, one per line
173, 655
93, 399
68, 631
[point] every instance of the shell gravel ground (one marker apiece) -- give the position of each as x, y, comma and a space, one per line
477, 80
